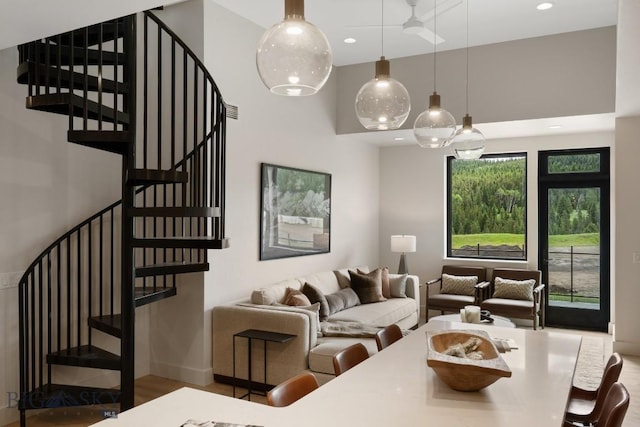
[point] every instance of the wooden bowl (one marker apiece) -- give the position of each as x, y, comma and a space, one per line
464, 374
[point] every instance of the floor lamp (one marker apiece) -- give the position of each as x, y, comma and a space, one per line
403, 244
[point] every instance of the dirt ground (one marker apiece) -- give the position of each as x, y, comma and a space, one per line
586, 272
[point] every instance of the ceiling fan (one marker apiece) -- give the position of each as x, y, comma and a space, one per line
415, 26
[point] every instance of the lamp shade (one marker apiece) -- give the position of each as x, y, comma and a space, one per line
468, 142
403, 243
382, 103
434, 126
294, 57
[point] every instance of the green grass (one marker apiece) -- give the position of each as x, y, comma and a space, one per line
554, 297
495, 239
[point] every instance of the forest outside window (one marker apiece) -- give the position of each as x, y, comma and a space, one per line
486, 209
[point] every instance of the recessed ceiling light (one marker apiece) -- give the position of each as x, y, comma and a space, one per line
398, 138
349, 40
544, 6
555, 127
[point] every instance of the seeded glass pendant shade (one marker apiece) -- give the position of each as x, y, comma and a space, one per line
468, 142
382, 103
434, 127
294, 57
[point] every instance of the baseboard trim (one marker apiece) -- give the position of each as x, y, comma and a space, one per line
201, 377
623, 347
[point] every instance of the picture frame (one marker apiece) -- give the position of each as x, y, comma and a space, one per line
295, 212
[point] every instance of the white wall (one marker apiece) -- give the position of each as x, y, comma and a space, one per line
47, 186
553, 76
298, 132
413, 195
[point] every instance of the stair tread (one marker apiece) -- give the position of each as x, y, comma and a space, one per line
157, 176
178, 267
62, 395
59, 103
195, 242
109, 324
147, 295
51, 79
108, 58
86, 356
113, 141
176, 211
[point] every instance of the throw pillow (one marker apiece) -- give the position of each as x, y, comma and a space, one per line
341, 300
315, 295
385, 280
398, 286
296, 298
459, 285
513, 289
368, 286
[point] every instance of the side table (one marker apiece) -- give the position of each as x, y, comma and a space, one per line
264, 336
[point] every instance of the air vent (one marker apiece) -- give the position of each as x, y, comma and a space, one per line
232, 111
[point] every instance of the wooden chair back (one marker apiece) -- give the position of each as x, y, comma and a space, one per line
610, 376
388, 335
349, 357
284, 394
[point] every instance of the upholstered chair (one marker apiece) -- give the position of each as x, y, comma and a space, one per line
349, 357
581, 406
284, 394
516, 293
457, 287
611, 408
388, 335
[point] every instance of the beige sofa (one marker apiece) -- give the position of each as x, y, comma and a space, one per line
311, 349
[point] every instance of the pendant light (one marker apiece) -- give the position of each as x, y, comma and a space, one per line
434, 126
467, 142
294, 57
382, 103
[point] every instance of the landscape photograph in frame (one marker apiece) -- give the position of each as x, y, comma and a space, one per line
295, 216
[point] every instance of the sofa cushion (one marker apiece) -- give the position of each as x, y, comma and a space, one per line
344, 280
458, 285
397, 285
513, 289
326, 281
384, 278
295, 297
315, 295
321, 356
378, 314
273, 293
341, 300
368, 286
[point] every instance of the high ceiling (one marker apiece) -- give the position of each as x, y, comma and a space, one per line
490, 21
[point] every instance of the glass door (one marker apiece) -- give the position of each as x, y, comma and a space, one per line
574, 237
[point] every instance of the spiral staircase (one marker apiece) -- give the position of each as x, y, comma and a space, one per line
132, 87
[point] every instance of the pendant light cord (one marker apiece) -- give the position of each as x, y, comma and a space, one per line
435, 35
467, 52
382, 27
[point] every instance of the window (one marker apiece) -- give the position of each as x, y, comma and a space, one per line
487, 207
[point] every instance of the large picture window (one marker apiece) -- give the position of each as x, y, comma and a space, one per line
487, 207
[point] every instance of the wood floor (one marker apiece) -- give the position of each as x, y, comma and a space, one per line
150, 387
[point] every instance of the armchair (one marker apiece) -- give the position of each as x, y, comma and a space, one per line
450, 296
518, 294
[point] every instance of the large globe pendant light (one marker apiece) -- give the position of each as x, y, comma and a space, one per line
382, 103
468, 142
435, 126
294, 57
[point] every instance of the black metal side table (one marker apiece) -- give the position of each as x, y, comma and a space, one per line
264, 336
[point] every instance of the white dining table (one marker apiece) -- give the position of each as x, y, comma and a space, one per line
395, 387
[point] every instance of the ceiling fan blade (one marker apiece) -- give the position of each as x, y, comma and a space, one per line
442, 7
429, 36
366, 27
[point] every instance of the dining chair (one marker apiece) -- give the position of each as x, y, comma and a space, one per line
349, 357
284, 394
388, 335
611, 409
582, 403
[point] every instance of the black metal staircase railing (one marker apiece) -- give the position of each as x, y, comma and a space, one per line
128, 254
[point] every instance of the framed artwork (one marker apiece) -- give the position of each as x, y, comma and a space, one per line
295, 214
